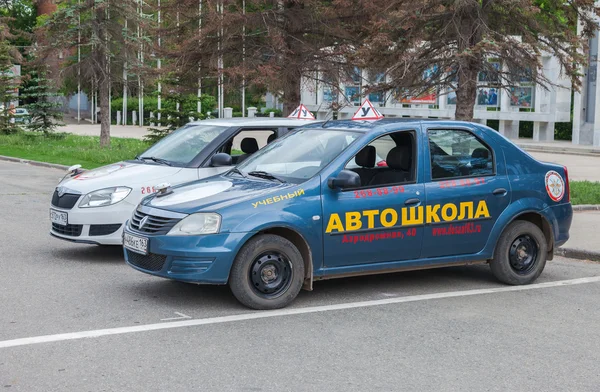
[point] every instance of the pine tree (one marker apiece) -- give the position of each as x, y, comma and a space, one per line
45, 110
97, 29
9, 83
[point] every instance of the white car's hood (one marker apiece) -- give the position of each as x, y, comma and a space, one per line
120, 174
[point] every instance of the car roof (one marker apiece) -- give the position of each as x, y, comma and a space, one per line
255, 121
367, 126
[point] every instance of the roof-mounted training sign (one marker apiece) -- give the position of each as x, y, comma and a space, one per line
302, 113
367, 112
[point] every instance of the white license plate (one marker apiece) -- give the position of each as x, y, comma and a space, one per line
59, 217
135, 243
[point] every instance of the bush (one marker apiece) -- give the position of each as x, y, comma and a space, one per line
526, 129
563, 131
171, 119
267, 113
187, 104
494, 124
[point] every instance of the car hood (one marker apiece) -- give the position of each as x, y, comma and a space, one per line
119, 174
214, 193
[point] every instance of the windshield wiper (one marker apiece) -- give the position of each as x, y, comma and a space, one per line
238, 171
155, 159
265, 175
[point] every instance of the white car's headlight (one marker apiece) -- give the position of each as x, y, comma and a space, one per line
195, 224
104, 197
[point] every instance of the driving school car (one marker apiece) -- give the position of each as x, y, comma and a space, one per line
315, 205
92, 206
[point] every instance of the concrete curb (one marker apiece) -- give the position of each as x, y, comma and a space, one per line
34, 163
587, 207
590, 152
579, 254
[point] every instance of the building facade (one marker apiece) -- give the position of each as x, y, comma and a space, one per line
525, 102
586, 103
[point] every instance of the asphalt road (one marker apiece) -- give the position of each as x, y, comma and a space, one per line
430, 331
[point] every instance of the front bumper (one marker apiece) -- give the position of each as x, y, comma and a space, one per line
102, 225
203, 259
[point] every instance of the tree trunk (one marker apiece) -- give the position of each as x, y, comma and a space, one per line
291, 95
469, 61
466, 92
104, 111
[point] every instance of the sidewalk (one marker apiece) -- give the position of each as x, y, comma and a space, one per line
584, 242
87, 129
558, 146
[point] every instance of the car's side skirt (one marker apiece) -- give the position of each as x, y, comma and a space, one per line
391, 267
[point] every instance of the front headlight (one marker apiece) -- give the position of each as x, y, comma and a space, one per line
104, 197
195, 224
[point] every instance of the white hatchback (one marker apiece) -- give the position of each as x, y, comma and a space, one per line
92, 206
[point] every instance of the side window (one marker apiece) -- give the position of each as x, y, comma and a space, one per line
386, 160
247, 142
456, 153
261, 138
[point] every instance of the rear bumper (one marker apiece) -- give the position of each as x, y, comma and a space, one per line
561, 217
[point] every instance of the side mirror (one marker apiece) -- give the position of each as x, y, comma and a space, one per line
221, 159
346, 179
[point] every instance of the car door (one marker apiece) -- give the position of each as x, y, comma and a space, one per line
466, 189
371, 224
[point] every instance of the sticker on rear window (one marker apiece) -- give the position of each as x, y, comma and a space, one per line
555, 185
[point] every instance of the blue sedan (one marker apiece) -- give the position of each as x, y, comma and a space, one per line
317, 205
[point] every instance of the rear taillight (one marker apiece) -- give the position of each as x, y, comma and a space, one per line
567, 187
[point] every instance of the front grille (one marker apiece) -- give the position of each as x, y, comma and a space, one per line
70, 230
104, 229
154, 224
150, 262
66, 201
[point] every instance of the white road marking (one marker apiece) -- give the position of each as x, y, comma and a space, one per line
286, 312
181, 316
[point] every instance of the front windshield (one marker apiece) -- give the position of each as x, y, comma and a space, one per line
300, 155
180, 147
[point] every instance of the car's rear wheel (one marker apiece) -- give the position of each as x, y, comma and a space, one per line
267, 273
520, 255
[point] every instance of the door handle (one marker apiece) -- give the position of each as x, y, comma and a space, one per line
499, 192
409, 202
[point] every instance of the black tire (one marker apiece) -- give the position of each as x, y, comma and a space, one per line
262, 258
520, 255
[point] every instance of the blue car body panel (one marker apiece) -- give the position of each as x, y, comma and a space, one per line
368, 229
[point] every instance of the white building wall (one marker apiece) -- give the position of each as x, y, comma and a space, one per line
548, 106
586, 103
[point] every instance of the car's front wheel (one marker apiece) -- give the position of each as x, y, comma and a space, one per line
267, 273
520, 255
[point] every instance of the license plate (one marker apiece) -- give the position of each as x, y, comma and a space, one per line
59, 217
135, 243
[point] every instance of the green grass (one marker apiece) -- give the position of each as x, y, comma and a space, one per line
67, 149
585, 192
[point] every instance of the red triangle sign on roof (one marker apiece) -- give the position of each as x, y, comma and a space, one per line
302, 113
367, 112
